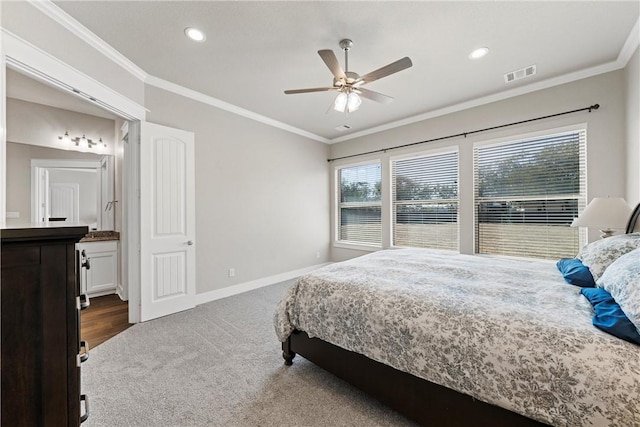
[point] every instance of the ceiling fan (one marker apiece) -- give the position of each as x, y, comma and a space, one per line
349, 84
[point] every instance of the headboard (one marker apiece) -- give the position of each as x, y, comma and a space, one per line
633, 224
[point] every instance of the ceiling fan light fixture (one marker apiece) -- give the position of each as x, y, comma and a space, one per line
353, 102
340, 104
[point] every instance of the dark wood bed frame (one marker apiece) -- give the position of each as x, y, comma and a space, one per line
420, 400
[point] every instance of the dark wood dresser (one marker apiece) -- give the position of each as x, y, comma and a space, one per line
41, 348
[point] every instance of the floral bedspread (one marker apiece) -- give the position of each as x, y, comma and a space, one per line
509, 332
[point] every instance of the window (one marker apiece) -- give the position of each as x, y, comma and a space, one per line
527, 193
425, 201
360, 204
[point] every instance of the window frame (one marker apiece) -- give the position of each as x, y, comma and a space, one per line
351, 244
582, 196
451, 149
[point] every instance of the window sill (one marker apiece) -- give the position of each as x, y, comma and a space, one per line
357, 246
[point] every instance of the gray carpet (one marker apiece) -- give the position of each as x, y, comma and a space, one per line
219, 364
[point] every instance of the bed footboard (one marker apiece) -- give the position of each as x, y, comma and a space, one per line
418, 399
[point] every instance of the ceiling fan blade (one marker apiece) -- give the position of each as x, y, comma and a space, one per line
394, 67
374, 96
313, 89
330, 59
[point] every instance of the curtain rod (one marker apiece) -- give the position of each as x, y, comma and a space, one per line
457, 135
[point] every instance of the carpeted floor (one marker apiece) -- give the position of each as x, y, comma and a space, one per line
219, 364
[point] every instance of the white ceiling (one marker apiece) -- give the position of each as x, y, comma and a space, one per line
255, 50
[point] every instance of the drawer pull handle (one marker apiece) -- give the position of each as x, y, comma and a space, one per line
85, 261
84, 356
85, 416
84, 301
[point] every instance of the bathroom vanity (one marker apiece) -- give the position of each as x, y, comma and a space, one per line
98, 251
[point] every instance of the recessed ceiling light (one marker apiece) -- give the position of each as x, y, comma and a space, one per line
479, 53
195, 34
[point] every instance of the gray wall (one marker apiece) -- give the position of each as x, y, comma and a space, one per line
262, 194
606, 148
632, 98
37, 124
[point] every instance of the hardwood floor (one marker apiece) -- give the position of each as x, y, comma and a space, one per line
105, 318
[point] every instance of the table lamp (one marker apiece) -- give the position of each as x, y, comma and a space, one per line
604, 213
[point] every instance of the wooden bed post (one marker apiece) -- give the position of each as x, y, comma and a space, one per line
287, 354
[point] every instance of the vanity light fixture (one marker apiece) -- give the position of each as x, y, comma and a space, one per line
81, 141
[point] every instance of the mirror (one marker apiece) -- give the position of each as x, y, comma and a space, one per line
73, 191
52, 179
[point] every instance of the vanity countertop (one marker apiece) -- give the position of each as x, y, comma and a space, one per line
100, 236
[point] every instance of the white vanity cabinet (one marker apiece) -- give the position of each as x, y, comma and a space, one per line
101, 278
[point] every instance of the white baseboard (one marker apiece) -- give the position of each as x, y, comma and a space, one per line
253, 284
121, 293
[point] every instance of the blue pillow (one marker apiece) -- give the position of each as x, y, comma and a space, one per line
576, 273
609, 316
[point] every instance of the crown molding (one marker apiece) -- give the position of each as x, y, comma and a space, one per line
54, 12
215, 102
63, 18
522, 90
34, 62
630, 45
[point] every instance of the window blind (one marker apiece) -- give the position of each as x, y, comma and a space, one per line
425, 201
527, 193
360, 204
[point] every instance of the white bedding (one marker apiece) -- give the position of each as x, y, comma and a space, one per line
506, 331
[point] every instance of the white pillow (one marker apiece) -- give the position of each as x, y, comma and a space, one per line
600, 254
622, 280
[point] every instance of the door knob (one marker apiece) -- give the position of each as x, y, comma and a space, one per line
190, 242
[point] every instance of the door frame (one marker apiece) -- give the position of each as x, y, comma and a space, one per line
32, 61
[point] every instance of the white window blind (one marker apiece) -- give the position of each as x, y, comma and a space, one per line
360, 204
425, 201
527, 193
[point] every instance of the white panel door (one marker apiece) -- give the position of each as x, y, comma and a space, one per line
167, 221
63, 201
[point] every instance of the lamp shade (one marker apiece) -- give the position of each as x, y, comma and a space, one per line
340, 104
353, 102
604, 213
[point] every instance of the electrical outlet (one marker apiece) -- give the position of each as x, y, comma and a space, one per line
232, 272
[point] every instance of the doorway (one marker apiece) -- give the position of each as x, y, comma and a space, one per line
30, 61
63, 200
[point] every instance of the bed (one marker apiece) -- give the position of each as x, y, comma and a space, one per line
450, 339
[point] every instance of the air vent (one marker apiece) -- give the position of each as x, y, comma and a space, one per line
342, 128
520, 74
